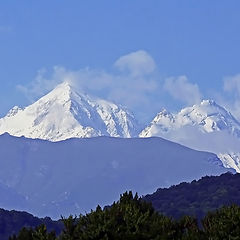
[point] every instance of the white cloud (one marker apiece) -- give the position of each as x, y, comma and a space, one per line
136, 63
40, 85
125, 89
231, 98
181, 89
138, 87
232, 84
191, 136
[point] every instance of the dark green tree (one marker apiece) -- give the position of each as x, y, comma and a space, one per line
129, 218
222, 224
24, 234
188, 229
39, 233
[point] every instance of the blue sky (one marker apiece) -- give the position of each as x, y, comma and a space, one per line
188, 50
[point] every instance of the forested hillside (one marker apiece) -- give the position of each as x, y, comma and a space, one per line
12, 221
132, 218
198, 197
201, 209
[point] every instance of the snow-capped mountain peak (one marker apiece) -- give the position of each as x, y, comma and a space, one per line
207, 116
206, 126
164, 115
14, 111
65, 113
210, 116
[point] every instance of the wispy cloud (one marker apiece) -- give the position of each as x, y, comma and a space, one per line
221, 141
232, 85
183, 90
137, 64
130, 86
231, 94
133, 82
40, 85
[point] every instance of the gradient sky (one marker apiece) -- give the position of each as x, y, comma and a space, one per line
190, 50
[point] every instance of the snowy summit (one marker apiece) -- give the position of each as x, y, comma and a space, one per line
65, 113
206, 126
207, 116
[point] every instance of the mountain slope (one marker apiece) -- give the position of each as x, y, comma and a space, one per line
11, 222
206, 126
64, 113
75, 175
191, 199
198, 197
208, 117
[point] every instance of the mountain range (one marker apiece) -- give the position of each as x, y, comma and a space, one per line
196, 199
67, 113
206, 126
73, 176
68, 152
